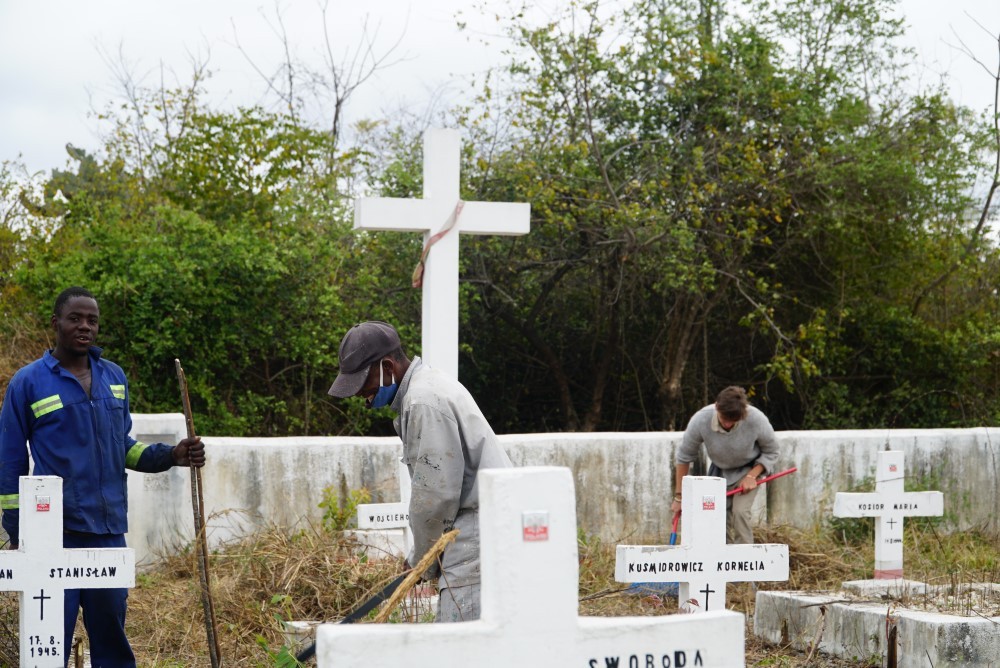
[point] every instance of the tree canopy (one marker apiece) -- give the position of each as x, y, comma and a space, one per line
719, 196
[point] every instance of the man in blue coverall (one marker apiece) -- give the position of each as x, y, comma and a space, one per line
72, 407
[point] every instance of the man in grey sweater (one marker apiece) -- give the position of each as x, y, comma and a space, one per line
446, 442
740, 442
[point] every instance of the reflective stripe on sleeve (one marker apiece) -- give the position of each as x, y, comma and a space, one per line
132, 457
46, 405
118, 391
9, 502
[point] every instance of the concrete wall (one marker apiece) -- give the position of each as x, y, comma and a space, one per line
623, 480
963, 464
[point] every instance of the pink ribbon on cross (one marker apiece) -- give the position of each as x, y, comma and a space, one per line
418, 271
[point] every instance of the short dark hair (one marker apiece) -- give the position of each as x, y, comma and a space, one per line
398, 355
69, 293
732, 403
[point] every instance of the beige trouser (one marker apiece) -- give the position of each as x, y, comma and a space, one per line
738, 529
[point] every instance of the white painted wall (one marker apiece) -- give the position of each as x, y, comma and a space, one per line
623, 480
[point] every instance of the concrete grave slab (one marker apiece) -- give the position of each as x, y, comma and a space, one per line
703, 563
895, 588
858, 629
40, 570
530, 584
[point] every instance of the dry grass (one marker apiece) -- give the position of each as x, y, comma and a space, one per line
255, 585
317, 575
8, 629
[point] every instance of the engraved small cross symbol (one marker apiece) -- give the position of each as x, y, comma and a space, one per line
41, 598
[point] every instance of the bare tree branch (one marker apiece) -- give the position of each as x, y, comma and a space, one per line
987, 207
338, 78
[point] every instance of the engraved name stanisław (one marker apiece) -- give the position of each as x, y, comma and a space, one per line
80, 572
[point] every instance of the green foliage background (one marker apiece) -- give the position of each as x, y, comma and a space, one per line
718, 197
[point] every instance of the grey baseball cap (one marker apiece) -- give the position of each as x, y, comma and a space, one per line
362, 346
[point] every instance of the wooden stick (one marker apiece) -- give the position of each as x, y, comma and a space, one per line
425, 562
201, 540
819, 633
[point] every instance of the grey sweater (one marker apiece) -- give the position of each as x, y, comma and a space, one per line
751, 441
446, 441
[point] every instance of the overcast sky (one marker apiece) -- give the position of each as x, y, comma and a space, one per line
53, 73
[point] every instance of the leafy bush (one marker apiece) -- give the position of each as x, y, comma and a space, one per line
338, 514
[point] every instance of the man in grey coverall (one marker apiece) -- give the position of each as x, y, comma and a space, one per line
740, 442
446, 441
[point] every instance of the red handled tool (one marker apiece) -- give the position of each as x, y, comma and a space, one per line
762, 481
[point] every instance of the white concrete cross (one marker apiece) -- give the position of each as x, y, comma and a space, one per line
530, 585
40, 570
703, 563
439, 335
890, 504
387, 516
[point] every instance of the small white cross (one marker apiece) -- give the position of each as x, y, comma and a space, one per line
439, 335
890, 504
530, 584
382, 516
41, 569
703, 563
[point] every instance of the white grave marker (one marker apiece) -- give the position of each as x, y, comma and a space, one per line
890, 504
40, 570
530, 585
386, 516
439, 337
703, 563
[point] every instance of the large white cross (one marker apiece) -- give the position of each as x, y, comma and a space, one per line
890, 504
439, 332
40, 570
703, 563
386, 516
530, 585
